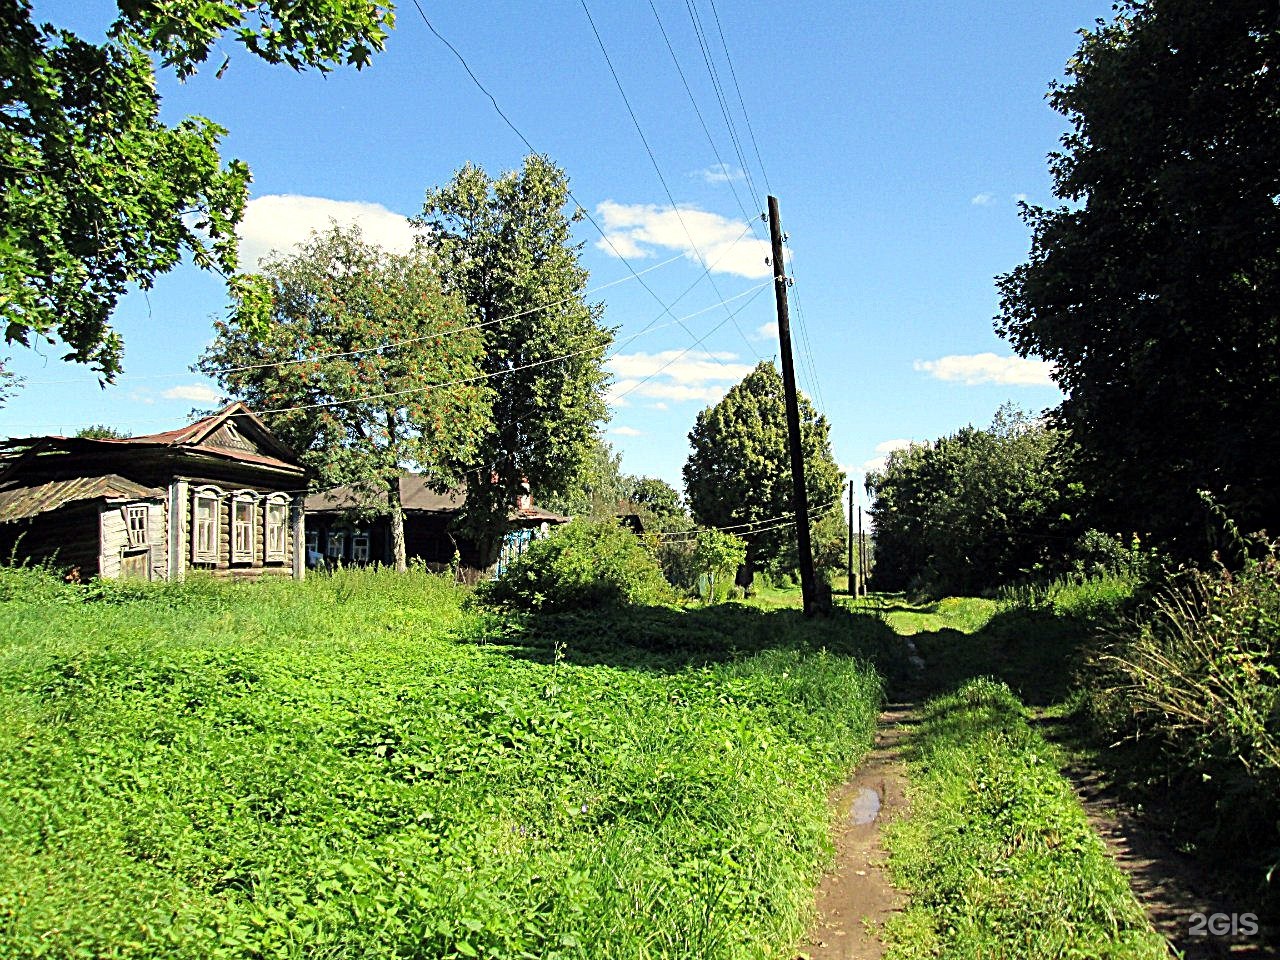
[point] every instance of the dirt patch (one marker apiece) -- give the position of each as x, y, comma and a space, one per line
856, 897
1180, 899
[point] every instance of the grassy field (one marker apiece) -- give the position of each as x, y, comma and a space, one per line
360, 766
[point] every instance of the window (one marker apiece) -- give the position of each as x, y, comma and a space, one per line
360, 546
334, 548
204, 526
244, 508
277, 519
135, 522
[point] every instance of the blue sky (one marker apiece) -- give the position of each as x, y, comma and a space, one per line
898, 138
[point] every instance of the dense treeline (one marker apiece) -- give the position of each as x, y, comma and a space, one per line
975, 510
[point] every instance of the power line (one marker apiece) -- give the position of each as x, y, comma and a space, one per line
525, 140
500, 373
741, 102
709, 60
658, 169
728, 173
753, 292
698, 342
393, 344
674, 535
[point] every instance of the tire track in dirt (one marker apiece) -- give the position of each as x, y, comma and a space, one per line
855, 897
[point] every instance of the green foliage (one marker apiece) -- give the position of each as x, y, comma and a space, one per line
998, 855
583, 565
505, 246
718, 555
972, 511
358, 338
739, 470
100, 431
597, 488
657, 498
96, 193
1153, 290
1193, 682
323, 769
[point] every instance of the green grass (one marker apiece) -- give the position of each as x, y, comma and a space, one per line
359, 766
997, 853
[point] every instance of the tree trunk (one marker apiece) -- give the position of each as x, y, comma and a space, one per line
396, 516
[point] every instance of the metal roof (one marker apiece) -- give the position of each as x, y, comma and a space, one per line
415, 496
20, 502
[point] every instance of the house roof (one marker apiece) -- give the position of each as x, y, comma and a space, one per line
206, 436
415, 496
20, 502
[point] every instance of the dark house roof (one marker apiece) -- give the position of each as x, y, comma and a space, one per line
233, 434
416, 497
20, 502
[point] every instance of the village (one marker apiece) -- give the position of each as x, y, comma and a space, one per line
639, 481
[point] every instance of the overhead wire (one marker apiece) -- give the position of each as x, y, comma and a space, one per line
709, 60
724, 167
658, 170
525, 140
438, 335
741, 101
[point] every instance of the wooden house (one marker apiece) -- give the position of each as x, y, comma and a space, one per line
342, 527
222, 494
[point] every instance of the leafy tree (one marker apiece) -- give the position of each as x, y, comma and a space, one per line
100, 431
718, 555
597, 487
740, 472
96, 193
974, 510
504, 245
655, 496
366, 367
1156, 290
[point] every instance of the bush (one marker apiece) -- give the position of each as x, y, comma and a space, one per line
584, 564
1195, 683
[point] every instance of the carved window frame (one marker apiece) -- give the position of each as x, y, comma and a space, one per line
206, 532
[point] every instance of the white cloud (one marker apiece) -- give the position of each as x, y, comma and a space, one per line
635, 228
658, 406
766, 331
979, 368
195, 392
722, 173
983, 200
1020, 198
280, 221
675, 375
626, 432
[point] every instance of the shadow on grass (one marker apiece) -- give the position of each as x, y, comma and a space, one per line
1036, 654
669, 639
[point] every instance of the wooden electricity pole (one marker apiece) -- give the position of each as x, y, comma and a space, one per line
863, 568
808, 582
853, 582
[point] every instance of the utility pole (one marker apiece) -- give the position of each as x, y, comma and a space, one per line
808, 582
853, 583
863, 568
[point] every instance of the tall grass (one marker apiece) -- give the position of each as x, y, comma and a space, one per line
1193, 683
997, 854
338, 769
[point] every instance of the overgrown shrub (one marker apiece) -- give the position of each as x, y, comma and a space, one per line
1195, 682
584, 564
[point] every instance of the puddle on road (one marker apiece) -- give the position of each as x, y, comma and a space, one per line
866, 806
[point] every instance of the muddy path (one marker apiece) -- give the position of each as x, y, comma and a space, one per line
855, 897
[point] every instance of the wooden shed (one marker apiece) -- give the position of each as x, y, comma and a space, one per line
222, 494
